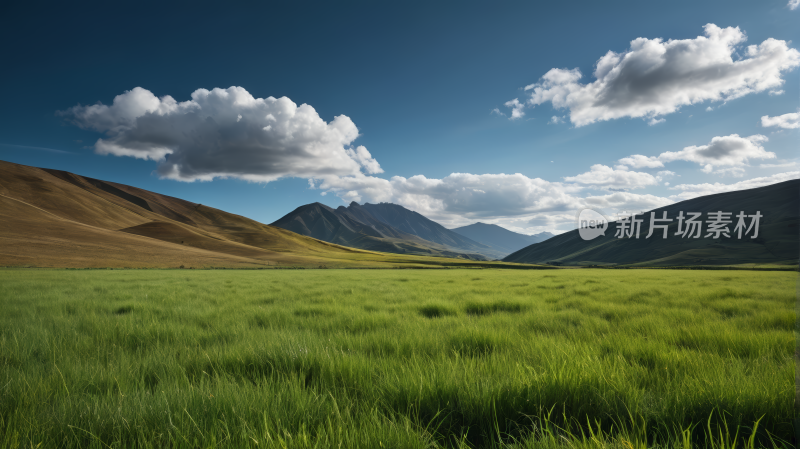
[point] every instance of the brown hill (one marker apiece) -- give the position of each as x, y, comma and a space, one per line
52, 218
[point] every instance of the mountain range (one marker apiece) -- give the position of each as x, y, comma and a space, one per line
777, 241
383, 227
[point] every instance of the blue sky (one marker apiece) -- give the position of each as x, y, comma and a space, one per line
417, 84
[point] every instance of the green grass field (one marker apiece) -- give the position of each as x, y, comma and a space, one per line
396, 358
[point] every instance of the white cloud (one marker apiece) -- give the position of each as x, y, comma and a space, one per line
555, 120
729, 151
516, 108
364, 158
225, 133
732, 152
498, 112
655, 121
462, 194
358, 187
793, 4
605, 177
640, 161
689, 191
786, 121
656, 77
775, 93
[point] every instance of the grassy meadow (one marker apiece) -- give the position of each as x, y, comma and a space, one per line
396, 358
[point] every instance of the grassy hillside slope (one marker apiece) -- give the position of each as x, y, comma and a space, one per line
777, 243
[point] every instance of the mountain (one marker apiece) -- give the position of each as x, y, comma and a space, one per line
777, 242
356, 227
414, 223
52, 218
499, 238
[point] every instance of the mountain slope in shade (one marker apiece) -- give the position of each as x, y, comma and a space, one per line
52, 218
354, 226
499, 238
778, 241
414, 223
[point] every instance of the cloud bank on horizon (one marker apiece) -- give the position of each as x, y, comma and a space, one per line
228, 133
656, 77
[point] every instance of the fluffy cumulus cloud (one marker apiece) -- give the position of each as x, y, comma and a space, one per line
723, 155
656, 77
225, 133
793, 4
605, 177
688, 191
516, 109
785, 121
728, 151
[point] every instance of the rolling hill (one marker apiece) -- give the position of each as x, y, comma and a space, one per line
390, 228
499, 238
777, 242
52, 218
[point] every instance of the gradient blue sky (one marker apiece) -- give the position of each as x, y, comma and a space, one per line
418, 79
